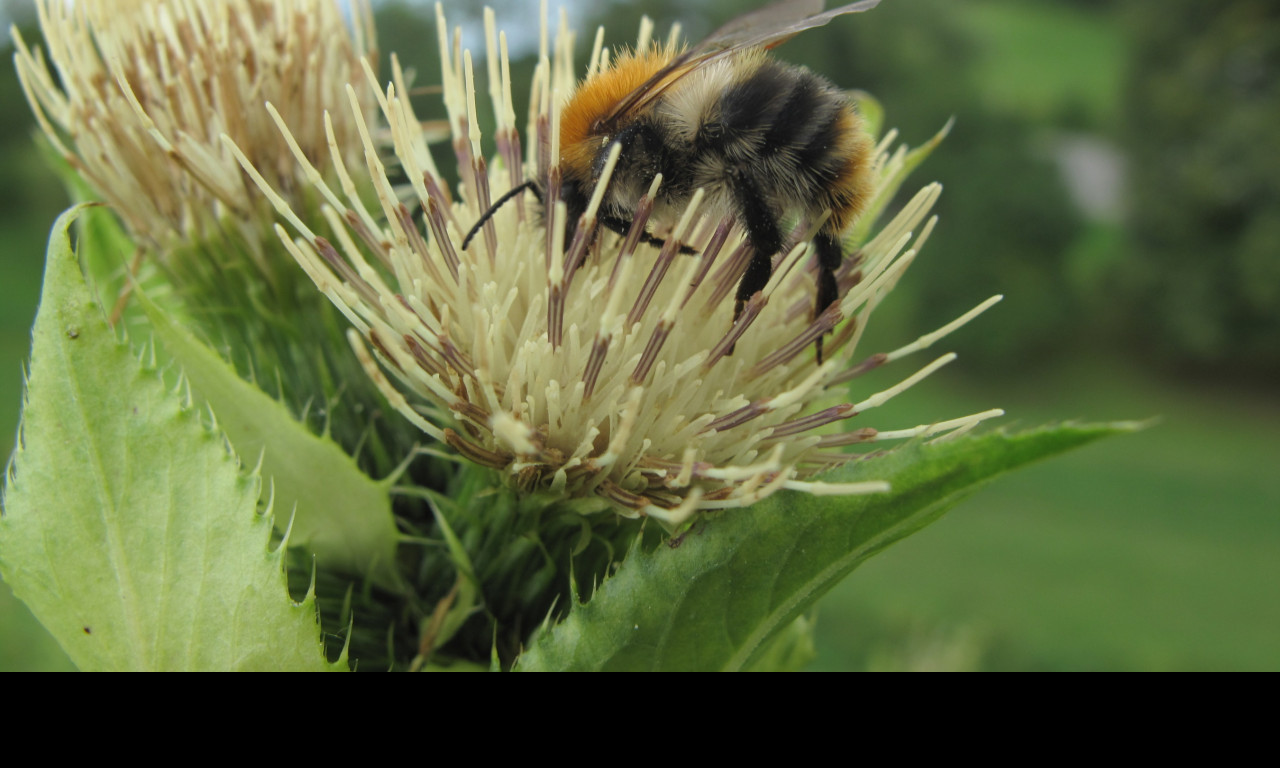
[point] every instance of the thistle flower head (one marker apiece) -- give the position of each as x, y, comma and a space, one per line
145, 88
611, 370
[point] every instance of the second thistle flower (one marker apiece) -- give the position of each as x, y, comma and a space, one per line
141, 91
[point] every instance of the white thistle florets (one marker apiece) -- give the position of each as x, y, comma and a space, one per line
616, 376
144, 89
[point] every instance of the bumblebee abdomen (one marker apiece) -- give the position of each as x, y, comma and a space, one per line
789, 134
779, 109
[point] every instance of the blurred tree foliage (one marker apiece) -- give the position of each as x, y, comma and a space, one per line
1006, 221
29, 187
30, 198
1202, 285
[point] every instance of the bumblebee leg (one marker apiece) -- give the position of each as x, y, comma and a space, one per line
623, 226
830, 256
765, 236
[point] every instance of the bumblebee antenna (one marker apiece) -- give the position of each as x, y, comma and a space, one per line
501, 201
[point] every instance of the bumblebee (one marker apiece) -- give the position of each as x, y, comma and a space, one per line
763, 139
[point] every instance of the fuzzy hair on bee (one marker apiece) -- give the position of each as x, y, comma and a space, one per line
766, 141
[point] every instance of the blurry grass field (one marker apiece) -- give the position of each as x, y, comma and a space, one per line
1157, 550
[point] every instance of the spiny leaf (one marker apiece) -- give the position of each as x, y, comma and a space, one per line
719, 599
129, 529
341, 515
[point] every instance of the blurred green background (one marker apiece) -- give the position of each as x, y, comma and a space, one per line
1115, 172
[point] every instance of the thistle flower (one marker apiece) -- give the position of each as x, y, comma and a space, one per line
593, 377
620, 378
143, 91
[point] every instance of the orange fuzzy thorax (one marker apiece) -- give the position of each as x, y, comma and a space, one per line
593, 99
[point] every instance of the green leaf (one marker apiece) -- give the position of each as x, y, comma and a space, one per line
341, 515
872, 112
129, 529
719, 599
790, 650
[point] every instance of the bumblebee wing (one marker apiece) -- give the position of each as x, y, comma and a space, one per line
766, 27
775, 23
649, 90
